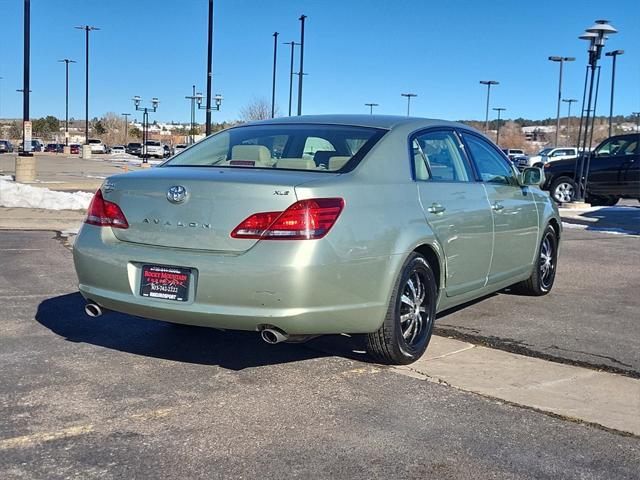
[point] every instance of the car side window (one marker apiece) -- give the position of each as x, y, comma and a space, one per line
437, 157
491, 166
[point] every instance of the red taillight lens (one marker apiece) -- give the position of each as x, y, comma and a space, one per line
304, 220
105, 214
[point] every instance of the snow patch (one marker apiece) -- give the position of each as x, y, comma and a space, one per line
591, 228
19, 195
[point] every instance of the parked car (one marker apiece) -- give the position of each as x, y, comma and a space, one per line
134, 148
97, 146
614, 173
6, 146
178, 148
36, 146
74, 148
550, 154
391, 223
154, 149
54, 148
118, 149
517, 156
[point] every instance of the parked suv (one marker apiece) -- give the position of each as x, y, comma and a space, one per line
97, 146
550, 154
517, 157
134, 148
614, 173
6, 146
154, 149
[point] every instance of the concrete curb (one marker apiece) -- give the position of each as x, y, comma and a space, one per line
606, 399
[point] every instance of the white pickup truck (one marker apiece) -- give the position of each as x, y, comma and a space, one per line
551, 154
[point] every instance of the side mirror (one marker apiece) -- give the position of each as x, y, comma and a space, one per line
531, 176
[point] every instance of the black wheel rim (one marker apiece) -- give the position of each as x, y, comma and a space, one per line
415, 314
547, 261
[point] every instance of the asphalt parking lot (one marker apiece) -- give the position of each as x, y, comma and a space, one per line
121, 397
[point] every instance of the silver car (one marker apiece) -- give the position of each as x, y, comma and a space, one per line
303, 226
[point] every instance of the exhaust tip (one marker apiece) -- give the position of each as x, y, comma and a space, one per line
93, 310
272, 336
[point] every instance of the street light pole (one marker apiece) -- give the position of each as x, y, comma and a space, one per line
273, 83
145, 124
371, 105
209, 69
488, 83
498, 109
26, 149
291, 73
1, 96
87, 29
561, 60
196, 104
569, 101
126, 127
301, 74
66, 101
613, 54
637, 114
409, 96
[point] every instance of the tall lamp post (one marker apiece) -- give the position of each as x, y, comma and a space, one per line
209, 69
126, 128
569, 101
560, 60
498, 109
26, 144
291, 73
637, 114
613, 54
409, 96
301, 73
273, 83
488, 83
86, 151
1, 96
145, 123
596, 35
196, 103
66, 62
371, 105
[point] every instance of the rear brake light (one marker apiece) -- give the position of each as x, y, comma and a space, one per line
304, 220
105, 214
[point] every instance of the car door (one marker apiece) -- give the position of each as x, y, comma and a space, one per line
631, 169
515, 214
611, 169
456, 208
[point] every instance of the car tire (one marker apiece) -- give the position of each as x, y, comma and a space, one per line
408, 324
563, 190
544, 272
597, 201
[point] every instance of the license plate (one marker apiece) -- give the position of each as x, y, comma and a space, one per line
168, 283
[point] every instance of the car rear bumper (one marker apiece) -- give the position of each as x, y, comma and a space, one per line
301, 287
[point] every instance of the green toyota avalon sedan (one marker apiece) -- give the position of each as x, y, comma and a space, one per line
296, 227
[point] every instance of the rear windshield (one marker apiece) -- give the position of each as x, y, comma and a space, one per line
91, 140
292, 147
151, 143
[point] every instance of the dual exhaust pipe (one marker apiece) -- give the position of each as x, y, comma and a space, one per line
94, 310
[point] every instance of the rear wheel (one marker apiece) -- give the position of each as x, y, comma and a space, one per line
407, 327
563, 190
544, 272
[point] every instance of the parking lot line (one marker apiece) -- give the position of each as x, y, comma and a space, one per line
606, 399
35, 438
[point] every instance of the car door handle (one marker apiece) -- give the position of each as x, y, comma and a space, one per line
496, 206
436, 208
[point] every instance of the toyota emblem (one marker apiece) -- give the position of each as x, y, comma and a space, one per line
177, 194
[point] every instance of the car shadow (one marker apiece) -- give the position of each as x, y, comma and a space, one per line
235, 350
624, 219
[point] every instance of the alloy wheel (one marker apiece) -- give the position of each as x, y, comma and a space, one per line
547, 262
414, 311
564, 192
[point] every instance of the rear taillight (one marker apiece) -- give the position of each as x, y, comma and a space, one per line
105, 214
304, 220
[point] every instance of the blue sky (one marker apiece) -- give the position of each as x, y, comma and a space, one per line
357, 51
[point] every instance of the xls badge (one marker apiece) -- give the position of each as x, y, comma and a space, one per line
177, 194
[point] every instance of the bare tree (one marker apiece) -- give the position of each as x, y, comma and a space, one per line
256, 109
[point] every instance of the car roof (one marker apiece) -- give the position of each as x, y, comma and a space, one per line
377, 121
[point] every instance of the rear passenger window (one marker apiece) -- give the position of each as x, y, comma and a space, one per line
437, 157
492, 167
